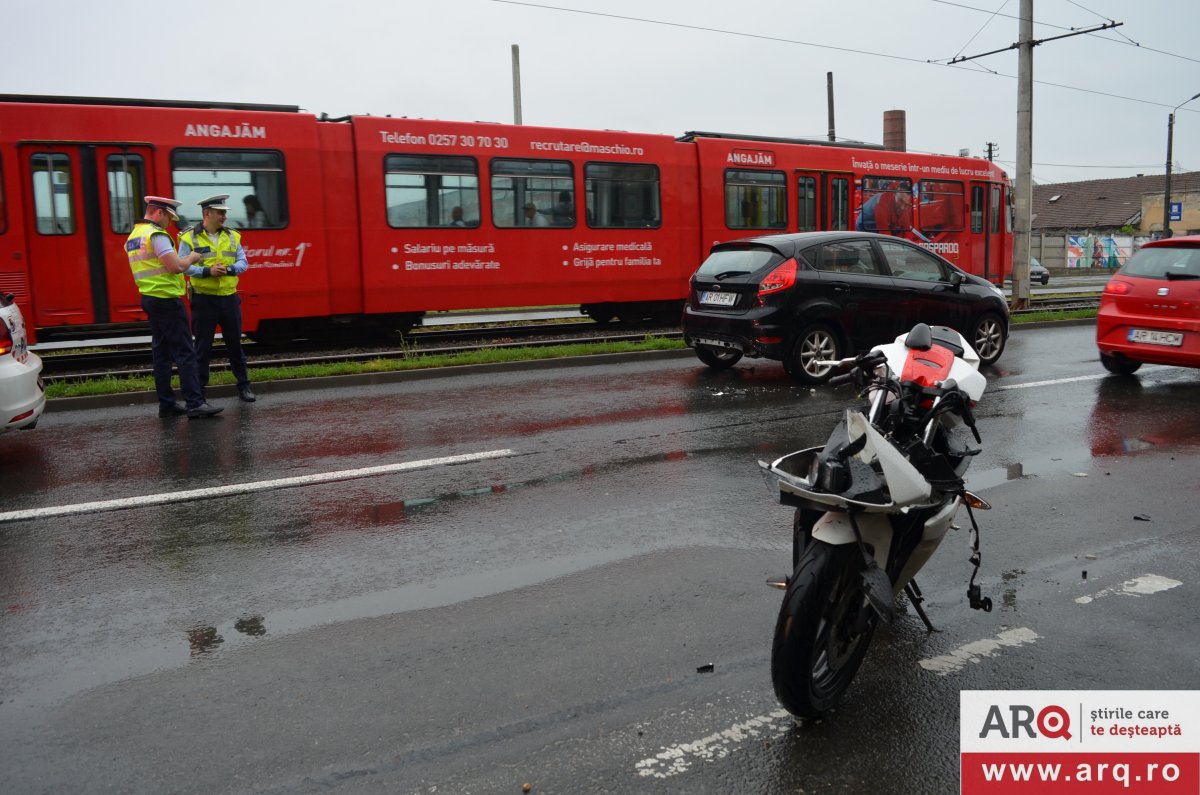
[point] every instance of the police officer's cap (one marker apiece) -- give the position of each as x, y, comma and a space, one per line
162, 203
214, 202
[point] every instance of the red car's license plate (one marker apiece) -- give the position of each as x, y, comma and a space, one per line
1152, 337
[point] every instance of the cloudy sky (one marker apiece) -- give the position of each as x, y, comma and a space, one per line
664, 66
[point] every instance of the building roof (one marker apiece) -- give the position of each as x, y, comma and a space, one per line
1101, 203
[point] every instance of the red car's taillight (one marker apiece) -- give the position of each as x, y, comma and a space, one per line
781, 278
1117, 287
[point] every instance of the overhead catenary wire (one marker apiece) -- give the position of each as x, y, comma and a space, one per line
972, 66
1129, 43
855, 51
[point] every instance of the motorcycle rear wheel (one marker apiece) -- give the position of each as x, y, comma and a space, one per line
824, 629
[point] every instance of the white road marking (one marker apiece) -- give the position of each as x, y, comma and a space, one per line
1139, 586
680, 758
1052, 382
246, 488
974, 652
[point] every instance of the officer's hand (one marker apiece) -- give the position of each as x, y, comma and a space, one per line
194, 257
219, 270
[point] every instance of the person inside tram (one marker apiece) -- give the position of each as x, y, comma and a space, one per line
256, 216
533, 217
456, 217
563, 211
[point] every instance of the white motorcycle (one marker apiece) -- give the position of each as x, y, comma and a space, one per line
871, 507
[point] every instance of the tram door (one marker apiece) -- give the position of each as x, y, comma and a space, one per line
823, 199
988, 223
83, 200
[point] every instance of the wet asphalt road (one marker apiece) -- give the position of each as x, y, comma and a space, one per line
539, 616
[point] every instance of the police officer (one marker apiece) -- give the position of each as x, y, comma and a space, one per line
215, 301
158, 274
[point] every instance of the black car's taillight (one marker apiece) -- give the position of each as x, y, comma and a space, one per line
781, 278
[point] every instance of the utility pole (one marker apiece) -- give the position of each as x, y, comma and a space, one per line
991, 150
829, 95
516, 67
1166, 230
1023, 185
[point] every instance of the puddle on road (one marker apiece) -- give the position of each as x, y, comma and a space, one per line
399, 510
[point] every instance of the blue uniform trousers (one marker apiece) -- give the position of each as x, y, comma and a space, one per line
171, 341
208, 312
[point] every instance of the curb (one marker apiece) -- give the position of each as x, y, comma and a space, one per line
400, 376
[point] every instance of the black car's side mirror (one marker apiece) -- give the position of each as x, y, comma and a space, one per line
956, 279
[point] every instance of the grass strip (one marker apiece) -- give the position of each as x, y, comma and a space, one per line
116, 384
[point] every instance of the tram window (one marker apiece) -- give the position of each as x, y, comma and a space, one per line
976, 209
755, 199
253, 178
525, 192
424, 191
52, 189
622, 196
806, 190
995, 209
886, 204
941, 206
839, 203
126, 187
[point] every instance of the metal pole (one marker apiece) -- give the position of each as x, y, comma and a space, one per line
829, 94
516, 69
1166, 230
1024, 183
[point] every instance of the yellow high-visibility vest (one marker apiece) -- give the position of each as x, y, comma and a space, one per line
149, 274
223, 252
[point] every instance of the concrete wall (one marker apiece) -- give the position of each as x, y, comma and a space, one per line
1070, 253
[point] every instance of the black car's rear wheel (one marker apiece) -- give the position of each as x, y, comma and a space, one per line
988, 338
718, 358
815, 343
1119, 365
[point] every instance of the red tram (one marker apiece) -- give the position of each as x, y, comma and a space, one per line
374, 221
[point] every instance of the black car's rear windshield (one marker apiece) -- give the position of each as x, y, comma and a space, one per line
1165, 262
739, 261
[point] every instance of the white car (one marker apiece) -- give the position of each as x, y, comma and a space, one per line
22, 394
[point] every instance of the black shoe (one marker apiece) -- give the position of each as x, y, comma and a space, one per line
204, 410
247, 395
172, 411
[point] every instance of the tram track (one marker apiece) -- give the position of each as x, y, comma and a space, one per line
133, 359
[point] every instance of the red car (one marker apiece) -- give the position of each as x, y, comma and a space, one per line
1150, 309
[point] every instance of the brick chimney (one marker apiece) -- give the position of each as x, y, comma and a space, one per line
894, 131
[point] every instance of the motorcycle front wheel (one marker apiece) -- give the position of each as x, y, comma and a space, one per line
824, 629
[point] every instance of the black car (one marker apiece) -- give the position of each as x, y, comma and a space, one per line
802, 298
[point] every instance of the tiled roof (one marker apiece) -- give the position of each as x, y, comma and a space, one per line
1101, 203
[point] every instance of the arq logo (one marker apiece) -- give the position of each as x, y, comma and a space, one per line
1053, 722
